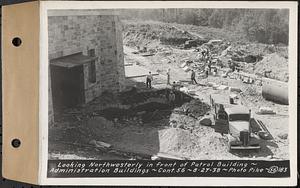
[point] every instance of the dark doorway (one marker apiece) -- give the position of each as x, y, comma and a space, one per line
67, 86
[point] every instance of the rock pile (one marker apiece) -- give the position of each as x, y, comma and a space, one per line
195, 108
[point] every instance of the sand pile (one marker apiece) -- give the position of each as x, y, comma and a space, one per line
276, 65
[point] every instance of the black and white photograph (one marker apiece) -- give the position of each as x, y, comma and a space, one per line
168, 84
150, 93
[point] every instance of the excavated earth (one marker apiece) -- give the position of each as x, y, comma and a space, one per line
141, 122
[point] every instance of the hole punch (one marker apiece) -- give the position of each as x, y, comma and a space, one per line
16, 143
16, 41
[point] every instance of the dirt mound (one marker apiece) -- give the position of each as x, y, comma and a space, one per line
153, 34
112, 113
246, 58
195, 108
248, 54
100, 128
69, 133
209, 144
182, 121
130, 136
173, 36
174, 140
258, 48
200, 144
140, 34
134, 97
276, 65
216, 47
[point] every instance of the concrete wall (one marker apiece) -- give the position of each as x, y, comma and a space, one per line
69, 34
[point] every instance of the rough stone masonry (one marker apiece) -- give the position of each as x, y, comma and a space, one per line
88, 31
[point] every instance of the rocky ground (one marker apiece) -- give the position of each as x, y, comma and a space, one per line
133, 131
252, 57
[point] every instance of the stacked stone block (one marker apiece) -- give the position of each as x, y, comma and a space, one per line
72, 34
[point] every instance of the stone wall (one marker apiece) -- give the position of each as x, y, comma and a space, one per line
84, 32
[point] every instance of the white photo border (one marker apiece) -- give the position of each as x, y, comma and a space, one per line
167, 181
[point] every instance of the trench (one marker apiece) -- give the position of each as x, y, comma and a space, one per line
147, 106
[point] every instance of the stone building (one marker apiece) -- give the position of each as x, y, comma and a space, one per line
86, 58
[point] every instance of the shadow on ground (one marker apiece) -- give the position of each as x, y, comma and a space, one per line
130, 121
264, 151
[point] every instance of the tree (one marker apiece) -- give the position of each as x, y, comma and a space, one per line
261, 25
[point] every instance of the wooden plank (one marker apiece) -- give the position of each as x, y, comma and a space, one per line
167, 156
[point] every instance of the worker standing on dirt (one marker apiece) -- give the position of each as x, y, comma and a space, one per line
203, 52
206, 71
232, 65
172, 98
209, 65
149, 79
193, 77
208, 53
168, 76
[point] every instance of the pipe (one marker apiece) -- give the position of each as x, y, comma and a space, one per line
276, 91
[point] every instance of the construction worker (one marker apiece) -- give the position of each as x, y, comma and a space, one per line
231, 65
209, 65
168, 76
206, 71
208, 53
193, 77
149, 79
172, 98
203, 52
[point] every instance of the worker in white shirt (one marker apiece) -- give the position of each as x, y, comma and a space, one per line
149, 79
